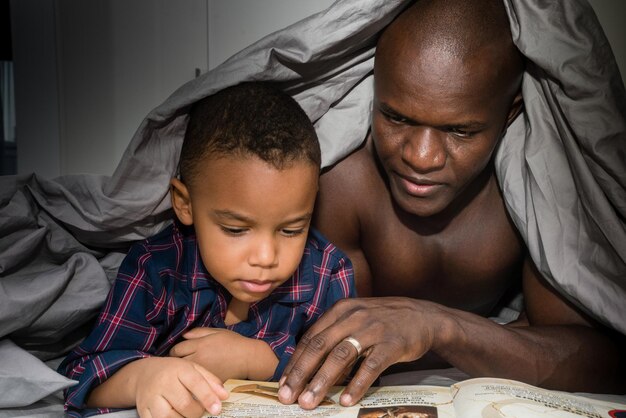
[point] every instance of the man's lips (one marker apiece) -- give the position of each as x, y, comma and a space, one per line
256, 286
418, 187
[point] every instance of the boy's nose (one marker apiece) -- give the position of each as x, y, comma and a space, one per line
264, 254
424, 150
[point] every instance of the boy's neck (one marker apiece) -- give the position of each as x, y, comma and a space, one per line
237, 311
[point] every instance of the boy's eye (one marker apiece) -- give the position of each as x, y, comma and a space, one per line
233, 230
292, 232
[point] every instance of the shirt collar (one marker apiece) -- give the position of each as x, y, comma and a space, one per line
300, 287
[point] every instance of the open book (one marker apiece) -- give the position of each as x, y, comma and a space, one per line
473, 398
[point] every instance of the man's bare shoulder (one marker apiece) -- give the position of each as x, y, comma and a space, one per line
355, 176
347, 197
349, 194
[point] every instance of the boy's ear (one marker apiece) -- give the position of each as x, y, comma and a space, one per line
181, 201
516, 108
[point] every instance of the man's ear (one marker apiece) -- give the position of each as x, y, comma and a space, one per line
181, 201
516, 108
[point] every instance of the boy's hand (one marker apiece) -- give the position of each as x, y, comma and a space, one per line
226, 354
173, 387
222, 351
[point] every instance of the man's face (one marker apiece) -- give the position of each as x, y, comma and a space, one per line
251, 222
435, 124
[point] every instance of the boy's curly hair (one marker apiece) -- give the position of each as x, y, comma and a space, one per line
249, 119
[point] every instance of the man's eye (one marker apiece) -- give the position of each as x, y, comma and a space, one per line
292, 232
393, 117
460, 133
232, 230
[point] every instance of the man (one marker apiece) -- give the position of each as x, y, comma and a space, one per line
419, 211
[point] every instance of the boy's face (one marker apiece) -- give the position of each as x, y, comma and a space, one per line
251, 221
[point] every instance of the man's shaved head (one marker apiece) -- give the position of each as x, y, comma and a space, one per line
447, 79
454, 32
457, 27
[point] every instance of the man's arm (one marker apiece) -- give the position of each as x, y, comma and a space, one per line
559, 348
554, 346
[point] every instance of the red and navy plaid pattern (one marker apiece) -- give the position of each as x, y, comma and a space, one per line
163, 290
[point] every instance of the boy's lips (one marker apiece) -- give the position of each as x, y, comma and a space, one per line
256, 286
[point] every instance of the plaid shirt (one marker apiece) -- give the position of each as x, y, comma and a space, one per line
163, 290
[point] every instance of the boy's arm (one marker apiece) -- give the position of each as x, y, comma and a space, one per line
122, 333
226, 354
159, 384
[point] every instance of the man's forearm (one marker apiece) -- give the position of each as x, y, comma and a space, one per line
563, 357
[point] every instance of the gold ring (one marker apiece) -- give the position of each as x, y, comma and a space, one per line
355, 344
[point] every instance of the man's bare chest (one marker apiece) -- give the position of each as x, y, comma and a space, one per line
468, 267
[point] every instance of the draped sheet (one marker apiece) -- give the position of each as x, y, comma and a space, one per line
560, 165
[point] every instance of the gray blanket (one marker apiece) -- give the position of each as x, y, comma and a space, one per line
560, 165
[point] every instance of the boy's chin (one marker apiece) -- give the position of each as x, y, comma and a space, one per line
250, 297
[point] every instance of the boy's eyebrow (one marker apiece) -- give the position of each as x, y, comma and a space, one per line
232, 215
239, 217
304, 218
469, 125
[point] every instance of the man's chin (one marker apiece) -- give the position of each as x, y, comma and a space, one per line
421, 208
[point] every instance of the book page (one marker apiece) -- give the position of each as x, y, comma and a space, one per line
498, 398
259, 399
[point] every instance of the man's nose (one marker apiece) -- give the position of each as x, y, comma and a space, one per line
424, 150
264, 253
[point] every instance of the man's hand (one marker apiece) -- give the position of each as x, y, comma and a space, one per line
390, 330
227, 354
557, 349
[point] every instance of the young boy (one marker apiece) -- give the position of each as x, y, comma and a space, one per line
241, 265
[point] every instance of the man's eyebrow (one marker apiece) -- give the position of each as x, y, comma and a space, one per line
470, 125
388, 109
466, 126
